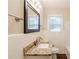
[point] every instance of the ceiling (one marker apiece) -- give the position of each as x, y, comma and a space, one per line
55, 3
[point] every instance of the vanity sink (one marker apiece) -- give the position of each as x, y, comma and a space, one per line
43, 45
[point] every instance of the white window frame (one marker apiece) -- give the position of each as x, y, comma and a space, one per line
61, 29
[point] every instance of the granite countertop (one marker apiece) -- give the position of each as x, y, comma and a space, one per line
38, 51
35, 51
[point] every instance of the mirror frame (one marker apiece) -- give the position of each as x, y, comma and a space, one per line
26, 6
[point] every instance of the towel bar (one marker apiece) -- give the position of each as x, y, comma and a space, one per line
16, 18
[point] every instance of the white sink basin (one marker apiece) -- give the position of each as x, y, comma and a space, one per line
43, 45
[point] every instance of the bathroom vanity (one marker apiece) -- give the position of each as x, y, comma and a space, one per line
39, 49
37, 53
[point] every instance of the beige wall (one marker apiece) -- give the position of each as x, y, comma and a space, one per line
59, 39
15, 8
15, 27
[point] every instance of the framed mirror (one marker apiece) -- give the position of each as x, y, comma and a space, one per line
31, 19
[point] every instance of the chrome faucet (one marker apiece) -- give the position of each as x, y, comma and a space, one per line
38, 39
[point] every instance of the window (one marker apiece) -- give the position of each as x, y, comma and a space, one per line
55, 23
